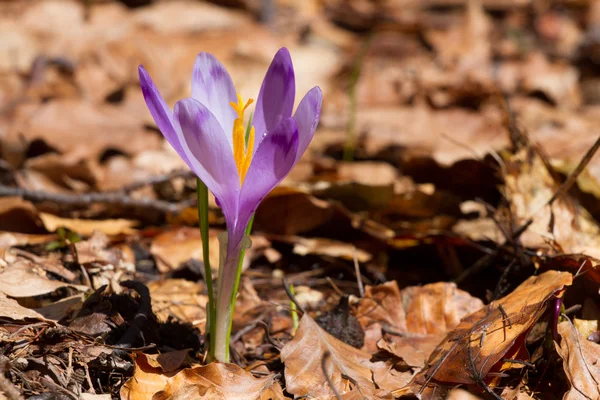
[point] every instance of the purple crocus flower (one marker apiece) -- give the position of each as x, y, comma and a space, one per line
207, 131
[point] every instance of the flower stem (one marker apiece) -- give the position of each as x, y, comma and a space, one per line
202, 192
230, 272
238, 277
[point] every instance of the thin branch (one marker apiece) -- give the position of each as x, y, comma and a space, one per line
85, 199
156, 179
286, 286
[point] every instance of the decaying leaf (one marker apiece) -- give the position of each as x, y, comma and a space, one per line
482, 339
219, 381
415, 318
581, 361
173, 247
10, 308
348, 368
167, 362
146, 380
328, 247
19, 280
179, 298
87, 226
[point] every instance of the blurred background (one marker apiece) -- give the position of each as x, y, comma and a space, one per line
419, 78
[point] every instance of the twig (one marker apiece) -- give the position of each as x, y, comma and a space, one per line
326, 355
6, 386
361, 288
154, 180
46, 381
286, 287
476, 376
85, 199
334, 286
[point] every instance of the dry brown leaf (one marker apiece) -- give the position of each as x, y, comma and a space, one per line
304, 375
328, 247
145, 382
18, 215
483, 338
461, 394
290, 211
60, 309
176, 246
19, 280
88, 226
581, 363
218, 381
80, 125
11, 239
167, 362
179, 298
10, 308
564, 224
417, 316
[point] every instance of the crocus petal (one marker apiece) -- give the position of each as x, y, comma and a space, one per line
160, 112
206, 146
213, 87
276, 97
273, 160
307, 117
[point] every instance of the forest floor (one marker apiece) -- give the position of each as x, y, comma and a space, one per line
440, 234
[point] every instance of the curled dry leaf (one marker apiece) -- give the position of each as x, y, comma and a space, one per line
581, 363
328, 247
417, 317
88, 226
167, 362
481, 340
10, 308
565, 223
146, 380
173, 247
289, 211
219, 381
348, 368
19, 280
178, 298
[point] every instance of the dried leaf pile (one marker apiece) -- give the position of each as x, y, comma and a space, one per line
441, 234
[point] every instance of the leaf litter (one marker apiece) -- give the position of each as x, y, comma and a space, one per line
446, 259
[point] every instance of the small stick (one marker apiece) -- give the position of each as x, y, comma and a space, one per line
286, 287
6, 386
334, 286
85, 199
361, 288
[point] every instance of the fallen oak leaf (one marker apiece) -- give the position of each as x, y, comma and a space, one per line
19, 280
168, 362
580, 361
349, 370
416, 318
146, 380
10, 308
481, 340
219, 381
87, 227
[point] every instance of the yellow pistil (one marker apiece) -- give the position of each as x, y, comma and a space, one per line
241, 154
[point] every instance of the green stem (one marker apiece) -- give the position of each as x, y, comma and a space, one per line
295, 321
203, 221
238, 277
